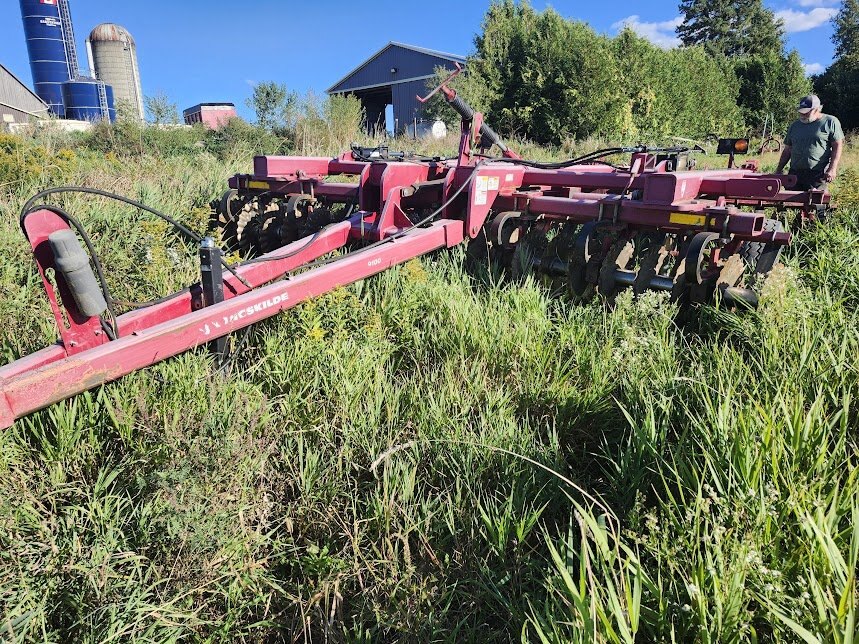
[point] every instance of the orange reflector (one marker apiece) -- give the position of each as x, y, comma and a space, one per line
741, 146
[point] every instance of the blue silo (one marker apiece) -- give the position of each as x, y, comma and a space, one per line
50, 44
87, 99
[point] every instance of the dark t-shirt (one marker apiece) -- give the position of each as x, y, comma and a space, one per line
811, 142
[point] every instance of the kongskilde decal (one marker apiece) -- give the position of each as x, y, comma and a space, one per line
243, 313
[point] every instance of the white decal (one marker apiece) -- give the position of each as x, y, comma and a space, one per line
374, 262
241, 314
494, 182
480, 192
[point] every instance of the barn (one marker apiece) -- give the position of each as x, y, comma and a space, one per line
394, 76
18, 103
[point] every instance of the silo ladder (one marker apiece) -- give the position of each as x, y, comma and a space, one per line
102, 101
69, 39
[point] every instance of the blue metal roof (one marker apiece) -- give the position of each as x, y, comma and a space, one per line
393, 64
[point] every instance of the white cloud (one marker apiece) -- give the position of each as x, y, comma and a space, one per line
661, 34
812, 68
805, 20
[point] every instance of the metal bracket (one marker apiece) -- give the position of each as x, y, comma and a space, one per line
212, 283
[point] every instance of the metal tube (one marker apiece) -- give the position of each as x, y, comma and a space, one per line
657, 283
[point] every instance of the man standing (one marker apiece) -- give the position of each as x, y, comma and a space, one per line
813, 146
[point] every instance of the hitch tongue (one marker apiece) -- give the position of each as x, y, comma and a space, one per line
73, 264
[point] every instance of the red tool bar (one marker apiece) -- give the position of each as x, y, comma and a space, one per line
744, 225
338, 192
585, 176
33, 390
277, 166
661, 187
256, 273
277, 263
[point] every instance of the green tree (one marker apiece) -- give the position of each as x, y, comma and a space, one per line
838, 86
770, 86
160, 109
846, 34
543, 77
680, 92
539, 76
730, 27
272, 103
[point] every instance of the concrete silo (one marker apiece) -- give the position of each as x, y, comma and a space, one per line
113, 58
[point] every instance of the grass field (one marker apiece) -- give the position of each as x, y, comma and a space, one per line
428, 455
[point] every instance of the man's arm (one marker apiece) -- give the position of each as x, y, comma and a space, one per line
835, 159
784, 158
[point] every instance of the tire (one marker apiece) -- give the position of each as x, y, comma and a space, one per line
762, 256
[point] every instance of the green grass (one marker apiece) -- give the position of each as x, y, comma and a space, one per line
433, 455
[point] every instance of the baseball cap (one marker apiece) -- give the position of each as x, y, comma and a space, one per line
808, 103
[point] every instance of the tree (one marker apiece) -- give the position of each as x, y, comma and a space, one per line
160, 110
730, 27
838, 86
539, 76
846, 35
770, 86
272, 104
679, 92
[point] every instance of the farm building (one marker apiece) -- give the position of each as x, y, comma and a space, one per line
18, 103
394, 76
212, 115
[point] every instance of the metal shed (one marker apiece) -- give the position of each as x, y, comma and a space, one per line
394, 75
18, 103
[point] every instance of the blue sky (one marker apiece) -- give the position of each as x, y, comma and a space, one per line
197, 51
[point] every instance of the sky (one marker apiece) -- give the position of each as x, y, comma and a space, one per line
214, 51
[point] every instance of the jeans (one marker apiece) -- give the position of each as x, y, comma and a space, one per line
809, 179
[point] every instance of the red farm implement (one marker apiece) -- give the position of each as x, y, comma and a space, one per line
653, 223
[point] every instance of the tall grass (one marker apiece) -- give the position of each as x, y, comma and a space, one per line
434, 454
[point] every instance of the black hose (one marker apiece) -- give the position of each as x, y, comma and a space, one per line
103, 193
74, 223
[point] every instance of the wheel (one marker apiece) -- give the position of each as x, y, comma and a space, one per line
760, 257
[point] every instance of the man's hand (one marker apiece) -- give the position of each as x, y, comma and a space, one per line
830, 174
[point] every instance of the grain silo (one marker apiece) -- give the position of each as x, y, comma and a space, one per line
113, 58
51, 45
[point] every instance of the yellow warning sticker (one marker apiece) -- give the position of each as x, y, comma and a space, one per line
258, 184
686, 219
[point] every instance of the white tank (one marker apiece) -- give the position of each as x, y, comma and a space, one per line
113, 59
